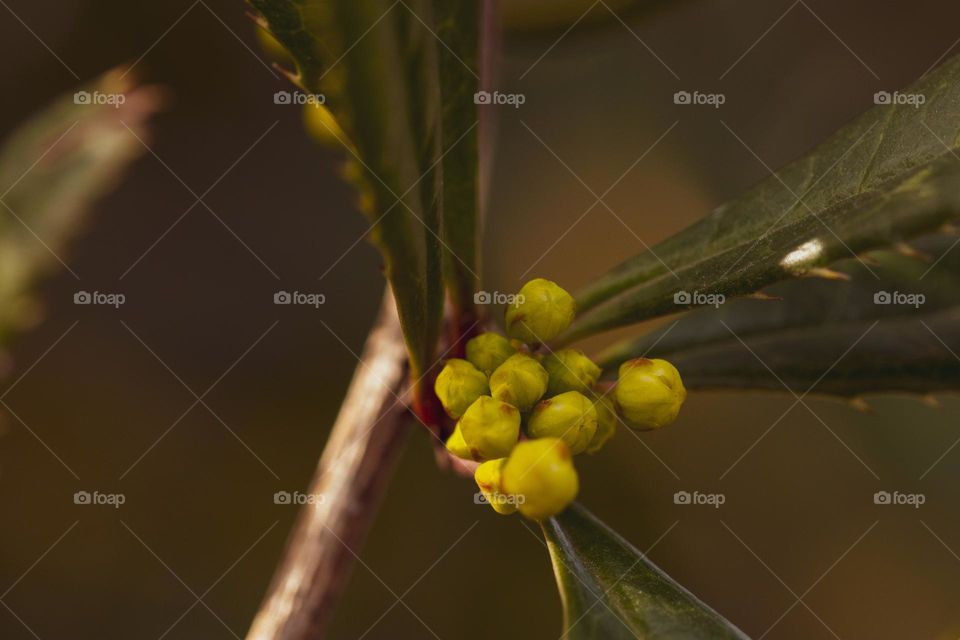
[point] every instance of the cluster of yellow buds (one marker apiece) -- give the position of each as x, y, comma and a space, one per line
523, 411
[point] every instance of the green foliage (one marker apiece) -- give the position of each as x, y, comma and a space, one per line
611, 590
890, 175
900, 338
52, 169
401, 103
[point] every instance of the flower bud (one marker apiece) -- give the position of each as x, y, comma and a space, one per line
570, 416
490, 428
540, 475
570, 370
520, 380
542, 311
606, 424
649, 393
457, 446
488, 351
459, 385
488, 478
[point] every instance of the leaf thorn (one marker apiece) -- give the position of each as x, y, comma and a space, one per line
760, 295
907, 251
824, 272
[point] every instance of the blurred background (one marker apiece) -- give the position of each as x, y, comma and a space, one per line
199, 398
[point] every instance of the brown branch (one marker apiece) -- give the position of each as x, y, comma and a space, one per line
352, 474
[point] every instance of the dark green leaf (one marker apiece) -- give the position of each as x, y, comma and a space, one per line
376, 64
805, 337
458, 27
52, 169
610, 590
890, 175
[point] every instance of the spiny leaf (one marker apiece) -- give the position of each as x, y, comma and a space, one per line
831, 337
888, 176
52, 169
375, 63
611, 591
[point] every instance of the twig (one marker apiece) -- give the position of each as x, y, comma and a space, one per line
357, 462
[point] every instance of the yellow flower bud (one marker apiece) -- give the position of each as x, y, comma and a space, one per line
570, 416
520, 380
488, 351
606, 424
540, 474
649, 393
488, 478
542, 311
459, 385
570, 370
457, 446
490, 428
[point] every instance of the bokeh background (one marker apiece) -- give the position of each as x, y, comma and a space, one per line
106, 399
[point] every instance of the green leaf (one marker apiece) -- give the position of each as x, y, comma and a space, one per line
360, 55
458, 28
385, 78
827, 337
52, 169
610, 590
890, 175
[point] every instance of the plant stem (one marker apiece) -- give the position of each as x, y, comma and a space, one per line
352, 475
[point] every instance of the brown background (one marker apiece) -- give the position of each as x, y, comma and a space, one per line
199, 299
